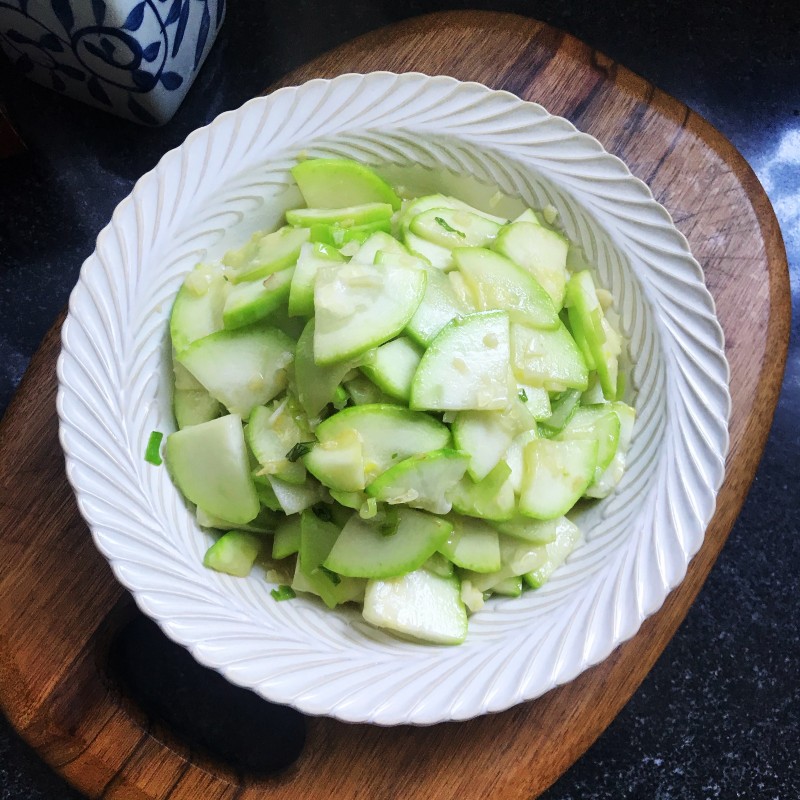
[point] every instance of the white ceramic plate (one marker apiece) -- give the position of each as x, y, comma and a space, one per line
231, 178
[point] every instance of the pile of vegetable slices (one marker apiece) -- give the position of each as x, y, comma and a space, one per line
395, 402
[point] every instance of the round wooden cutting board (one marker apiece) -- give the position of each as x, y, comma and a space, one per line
60, 605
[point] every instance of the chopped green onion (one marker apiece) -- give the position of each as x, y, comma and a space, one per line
523, 395
449, 228
299, 450
152, 454
332, 576
283, 593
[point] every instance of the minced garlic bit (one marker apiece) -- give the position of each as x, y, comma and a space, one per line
460, 365
550, 214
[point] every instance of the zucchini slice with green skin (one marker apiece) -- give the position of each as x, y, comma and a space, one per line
388, 433
540, 252
536, 399
316, 384
473, 544
286, 541
337, 182
556, 476
466, 366
603, 342
250, 302
317, 537
498, 283
197, 310
379, 242
352, 236
313, 256
562, 409
492, 498
600, 423
439, 305
344, 217
270, 449
364, 392
338, 463
485, 436
391, 367
439, 565
293, 497
363, 550
360, 306
265, 254
210, 465
604, 484
242, 368
234, 553
555, 554
534, 531
421, 481
419, 605
449, 227
547, 358
194, 406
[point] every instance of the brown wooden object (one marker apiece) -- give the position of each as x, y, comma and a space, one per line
59, 602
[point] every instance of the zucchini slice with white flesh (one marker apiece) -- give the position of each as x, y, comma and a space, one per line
539, 251
338, 463
379, 242
359, 306
234, 553
449, 227
602, 341
242, 368
316, 384
547, 358
210, 465
604, 484
600, 423
388, 433
337, 182
556, 552
194, 406
373, 549
197, 310
286, 541
345, 217
313, 256
486, 436
317, 537
270, 449
420, 605
498, 283
473, 544
438, 306
296, 497
265, 254
391, 367
421, 481
250, 302
492, 498
556, 476
465, 366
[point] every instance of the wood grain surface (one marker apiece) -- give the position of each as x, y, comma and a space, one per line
60, 605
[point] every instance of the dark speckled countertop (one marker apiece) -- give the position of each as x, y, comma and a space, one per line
719, 716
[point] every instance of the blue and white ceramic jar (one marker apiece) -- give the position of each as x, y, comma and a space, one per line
134, 58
